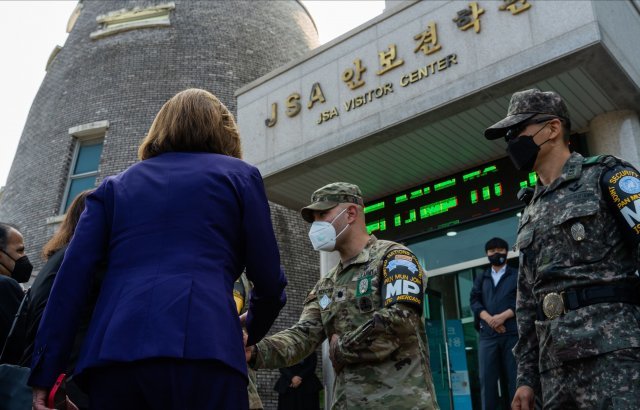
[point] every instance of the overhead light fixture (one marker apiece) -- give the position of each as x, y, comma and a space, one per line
452, 233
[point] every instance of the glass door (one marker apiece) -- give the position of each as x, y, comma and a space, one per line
438, 348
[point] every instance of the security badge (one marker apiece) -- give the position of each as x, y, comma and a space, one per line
577, 231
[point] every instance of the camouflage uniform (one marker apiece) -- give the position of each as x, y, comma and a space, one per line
577, 306
568, 237
384, 349
241, 293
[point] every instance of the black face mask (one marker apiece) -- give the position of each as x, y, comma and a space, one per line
523, 151
22, 268
497, 259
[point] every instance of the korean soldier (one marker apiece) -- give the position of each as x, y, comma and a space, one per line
577, 309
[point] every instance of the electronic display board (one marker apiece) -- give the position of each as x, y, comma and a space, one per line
475, 193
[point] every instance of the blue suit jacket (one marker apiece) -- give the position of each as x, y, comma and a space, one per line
495, 299
176, 231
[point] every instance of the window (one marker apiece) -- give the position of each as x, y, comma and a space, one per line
86, 160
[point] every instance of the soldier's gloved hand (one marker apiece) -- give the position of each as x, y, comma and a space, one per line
333, 353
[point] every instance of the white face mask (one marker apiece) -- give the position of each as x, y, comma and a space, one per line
323, 235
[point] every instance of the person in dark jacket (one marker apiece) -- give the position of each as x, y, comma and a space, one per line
15, 268
176, 230
493, 301
53, 253
298, 386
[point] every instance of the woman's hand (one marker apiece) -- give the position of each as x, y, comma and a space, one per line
39, 399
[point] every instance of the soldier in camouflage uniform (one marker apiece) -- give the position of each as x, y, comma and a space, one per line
578, 299
369, 307
241, 292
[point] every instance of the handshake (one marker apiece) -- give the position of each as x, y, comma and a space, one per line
250, 352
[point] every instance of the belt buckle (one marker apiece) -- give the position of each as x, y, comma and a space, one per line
553, 305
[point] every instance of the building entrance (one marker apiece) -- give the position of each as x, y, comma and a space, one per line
453, 340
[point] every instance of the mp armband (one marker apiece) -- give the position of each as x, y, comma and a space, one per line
621, 188
402, 279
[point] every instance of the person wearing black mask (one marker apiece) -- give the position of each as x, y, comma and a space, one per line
14, 267
578, 240
493, 301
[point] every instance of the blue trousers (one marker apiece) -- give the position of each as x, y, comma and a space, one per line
496, 361
171, 384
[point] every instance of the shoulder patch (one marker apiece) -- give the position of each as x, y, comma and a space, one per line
402, 279
621, 189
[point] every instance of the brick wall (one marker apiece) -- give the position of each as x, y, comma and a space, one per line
124, 79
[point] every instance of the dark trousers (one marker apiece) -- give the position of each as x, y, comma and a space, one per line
170, 384
496, 361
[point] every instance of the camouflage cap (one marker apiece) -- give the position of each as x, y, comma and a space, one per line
525, 105
330, 196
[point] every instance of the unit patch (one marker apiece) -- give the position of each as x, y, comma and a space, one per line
340, 294
363, 287
324, 301
402, 279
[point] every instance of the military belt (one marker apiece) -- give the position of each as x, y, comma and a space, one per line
556, 304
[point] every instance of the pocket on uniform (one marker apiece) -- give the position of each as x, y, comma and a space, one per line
584, 232
572, 338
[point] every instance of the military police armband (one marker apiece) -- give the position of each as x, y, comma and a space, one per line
402, 279
621, 189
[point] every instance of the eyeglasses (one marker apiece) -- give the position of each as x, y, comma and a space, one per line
515, 131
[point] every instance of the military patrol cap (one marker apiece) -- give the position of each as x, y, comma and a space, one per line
329, 196
526, 104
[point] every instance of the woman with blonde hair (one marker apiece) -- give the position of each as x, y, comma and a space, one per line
176, 230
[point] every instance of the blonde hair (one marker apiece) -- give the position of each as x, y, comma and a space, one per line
193, 120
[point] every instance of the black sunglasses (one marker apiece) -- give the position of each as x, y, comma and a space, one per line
516, 130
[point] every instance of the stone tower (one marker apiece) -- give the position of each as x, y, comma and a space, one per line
122, 60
